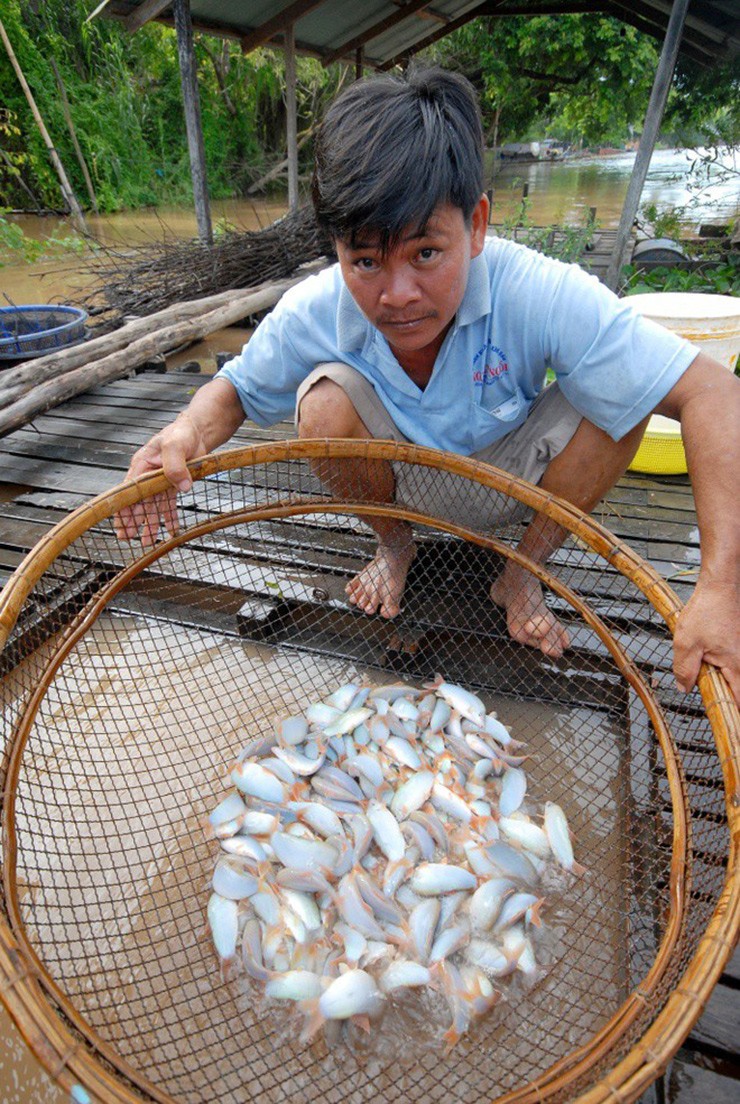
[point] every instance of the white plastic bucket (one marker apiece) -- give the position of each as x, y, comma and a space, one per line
710, 321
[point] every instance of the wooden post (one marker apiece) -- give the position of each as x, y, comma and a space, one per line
291, 116
191, 102
653, 119
69, 196
358, 63
73, 136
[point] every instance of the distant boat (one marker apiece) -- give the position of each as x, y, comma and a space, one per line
546, 149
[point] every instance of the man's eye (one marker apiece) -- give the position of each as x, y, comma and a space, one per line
428, 253
366, 264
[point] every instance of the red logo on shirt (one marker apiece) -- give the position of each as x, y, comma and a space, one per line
493, 370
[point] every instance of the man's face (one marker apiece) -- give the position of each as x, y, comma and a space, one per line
413, 292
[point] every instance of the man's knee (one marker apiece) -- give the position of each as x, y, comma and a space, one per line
326, 411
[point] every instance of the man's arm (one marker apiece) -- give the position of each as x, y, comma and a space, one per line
213, 416
706, 400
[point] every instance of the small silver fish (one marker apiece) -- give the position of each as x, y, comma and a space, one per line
433, 879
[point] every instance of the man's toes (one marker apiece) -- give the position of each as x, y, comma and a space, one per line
554, 640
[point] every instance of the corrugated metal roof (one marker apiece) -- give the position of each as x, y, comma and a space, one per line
388, 31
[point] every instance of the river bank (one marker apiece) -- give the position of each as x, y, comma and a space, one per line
558, 193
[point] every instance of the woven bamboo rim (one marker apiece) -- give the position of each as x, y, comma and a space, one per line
74, 1054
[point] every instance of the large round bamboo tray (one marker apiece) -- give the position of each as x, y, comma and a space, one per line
133, 675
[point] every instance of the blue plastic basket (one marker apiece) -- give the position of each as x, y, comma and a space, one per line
31, 331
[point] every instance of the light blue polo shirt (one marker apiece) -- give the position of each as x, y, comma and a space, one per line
521, 314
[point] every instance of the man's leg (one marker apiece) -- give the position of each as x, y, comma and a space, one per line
585, 470
325, 410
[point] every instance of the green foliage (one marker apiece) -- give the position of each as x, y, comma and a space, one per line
585, 79
566, 244
15, 245
666, 223
576, 78
717, 279
126, 105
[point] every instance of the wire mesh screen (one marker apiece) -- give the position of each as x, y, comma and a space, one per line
133, 678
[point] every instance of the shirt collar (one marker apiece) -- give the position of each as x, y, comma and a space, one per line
353, 328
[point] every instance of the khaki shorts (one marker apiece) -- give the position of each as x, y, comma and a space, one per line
525, 452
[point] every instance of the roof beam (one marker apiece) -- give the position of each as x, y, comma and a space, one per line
278, 24
701, 34
143, 13
352, 44
430, 13
647, 20
504, 10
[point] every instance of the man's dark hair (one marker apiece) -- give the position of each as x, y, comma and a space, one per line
390, 150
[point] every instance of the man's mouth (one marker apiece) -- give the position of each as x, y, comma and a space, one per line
404, 323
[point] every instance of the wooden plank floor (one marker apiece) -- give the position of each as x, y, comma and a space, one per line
83, 448
594, 258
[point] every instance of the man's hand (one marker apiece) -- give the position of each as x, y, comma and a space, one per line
708, 631
170, 449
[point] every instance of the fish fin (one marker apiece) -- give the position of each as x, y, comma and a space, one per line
435, 684
438, 977
362, 1022
480, 823
299, 791
578, 870
451, 1038
533, 912
313, 1021
512, 957
264, 876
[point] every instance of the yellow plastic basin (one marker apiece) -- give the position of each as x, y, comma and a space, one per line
661, 451
710, 321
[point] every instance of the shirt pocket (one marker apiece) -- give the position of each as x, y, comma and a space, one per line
489, 424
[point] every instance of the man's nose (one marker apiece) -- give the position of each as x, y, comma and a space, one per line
400, 286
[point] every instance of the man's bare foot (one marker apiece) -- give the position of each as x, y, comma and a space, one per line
379, 586
528, 619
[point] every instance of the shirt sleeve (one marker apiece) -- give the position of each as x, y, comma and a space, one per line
298, 334
612, 364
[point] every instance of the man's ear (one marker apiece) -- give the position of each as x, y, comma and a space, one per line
479, 225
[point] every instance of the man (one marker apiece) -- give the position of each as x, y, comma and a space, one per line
426, 332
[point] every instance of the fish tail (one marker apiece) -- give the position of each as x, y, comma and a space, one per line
313, 1019
451, 1038
228, 968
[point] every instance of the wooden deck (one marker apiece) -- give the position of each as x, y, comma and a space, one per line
594, 259
83, 448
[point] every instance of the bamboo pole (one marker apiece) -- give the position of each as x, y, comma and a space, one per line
69, 196
73, 135
653, 119
291, 116
118, 364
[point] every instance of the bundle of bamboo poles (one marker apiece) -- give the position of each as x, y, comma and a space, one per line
36, 386
149, 278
